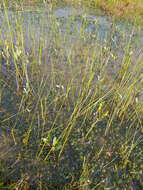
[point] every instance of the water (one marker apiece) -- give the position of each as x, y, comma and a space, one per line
73, 29
41, 26
37, 22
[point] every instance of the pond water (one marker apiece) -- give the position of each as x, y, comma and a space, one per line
68, 30
37, 22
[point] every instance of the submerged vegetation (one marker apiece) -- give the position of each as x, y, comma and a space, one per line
71, 101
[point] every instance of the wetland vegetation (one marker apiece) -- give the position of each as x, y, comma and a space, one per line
71, 95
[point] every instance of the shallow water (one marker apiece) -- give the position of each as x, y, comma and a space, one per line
37, 22
72, 29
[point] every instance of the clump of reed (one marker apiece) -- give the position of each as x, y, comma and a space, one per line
70, 106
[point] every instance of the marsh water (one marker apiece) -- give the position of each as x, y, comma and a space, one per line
36, 23
72, 29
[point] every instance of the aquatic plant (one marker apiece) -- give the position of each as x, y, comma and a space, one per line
71, 103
